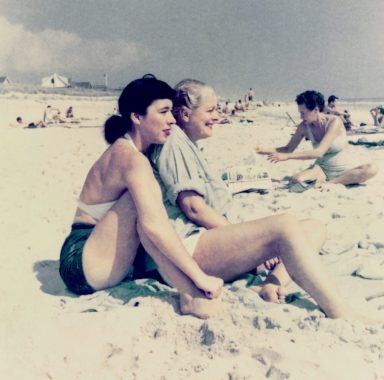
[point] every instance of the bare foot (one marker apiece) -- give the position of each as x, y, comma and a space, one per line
210, 285
200, 306
271, 292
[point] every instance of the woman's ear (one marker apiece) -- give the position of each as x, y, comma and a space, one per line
185, 114
135, 118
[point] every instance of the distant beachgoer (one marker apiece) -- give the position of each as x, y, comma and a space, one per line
34, 124
69, 113
52, 115
335, 161
120, 206
345, 116
227, 108
250, 95
239, 106
378, 116
197, 201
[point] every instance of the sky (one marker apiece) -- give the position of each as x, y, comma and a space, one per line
278, 47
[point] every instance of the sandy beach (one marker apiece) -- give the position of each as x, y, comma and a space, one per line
135, 330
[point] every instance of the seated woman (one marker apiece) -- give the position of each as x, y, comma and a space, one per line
335, 161
197, 201
120, 206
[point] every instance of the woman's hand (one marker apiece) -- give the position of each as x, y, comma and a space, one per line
260, 150
276, 157
210, 285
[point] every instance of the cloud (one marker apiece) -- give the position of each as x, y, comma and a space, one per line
26, 52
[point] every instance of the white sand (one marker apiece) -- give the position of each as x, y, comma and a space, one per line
45, 333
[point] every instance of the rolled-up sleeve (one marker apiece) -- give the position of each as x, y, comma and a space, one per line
179, 169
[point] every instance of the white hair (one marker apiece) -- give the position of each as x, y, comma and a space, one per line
191, 93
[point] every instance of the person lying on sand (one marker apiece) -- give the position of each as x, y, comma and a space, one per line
120, 206
33, 124
197, 201
335, 161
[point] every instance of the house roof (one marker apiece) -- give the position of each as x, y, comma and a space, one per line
4, 79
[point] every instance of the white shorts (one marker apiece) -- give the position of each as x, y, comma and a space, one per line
189, 243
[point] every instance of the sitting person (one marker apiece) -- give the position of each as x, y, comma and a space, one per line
34, 124
120, 206
227, 108
52, 115
335, 161
197, 201
239, 106
69, 113
331, 109
377, 114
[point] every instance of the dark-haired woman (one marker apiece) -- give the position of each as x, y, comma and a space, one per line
335, 161
120, 205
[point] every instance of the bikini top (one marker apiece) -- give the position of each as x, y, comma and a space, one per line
98, 210
338, 144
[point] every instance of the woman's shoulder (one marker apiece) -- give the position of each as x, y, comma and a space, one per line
121, 154
333, 121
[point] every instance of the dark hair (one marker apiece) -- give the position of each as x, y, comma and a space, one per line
136, 97
332, 98
19, 119
311, 99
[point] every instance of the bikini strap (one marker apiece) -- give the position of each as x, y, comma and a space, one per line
128, 137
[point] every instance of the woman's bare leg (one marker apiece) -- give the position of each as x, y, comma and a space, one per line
233, 250
192, 300
273, 287
356, 175
111, 248
312, 174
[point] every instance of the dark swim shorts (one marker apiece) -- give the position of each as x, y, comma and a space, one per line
71, 259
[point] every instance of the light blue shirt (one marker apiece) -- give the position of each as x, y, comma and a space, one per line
179, 166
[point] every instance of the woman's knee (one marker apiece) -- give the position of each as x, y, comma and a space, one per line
315, 231
287, 225
370, 170
296, 178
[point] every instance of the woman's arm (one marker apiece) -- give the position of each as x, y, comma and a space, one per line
154, 221
194, 207
290, 147
332, 132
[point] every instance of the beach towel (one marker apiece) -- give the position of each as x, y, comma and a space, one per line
365, 130
246, 178
367, 143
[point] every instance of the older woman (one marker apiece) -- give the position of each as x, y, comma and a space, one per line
120, 205
197, 201
335, 161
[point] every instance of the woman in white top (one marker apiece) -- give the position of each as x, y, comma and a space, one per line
335, 161
120, 206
